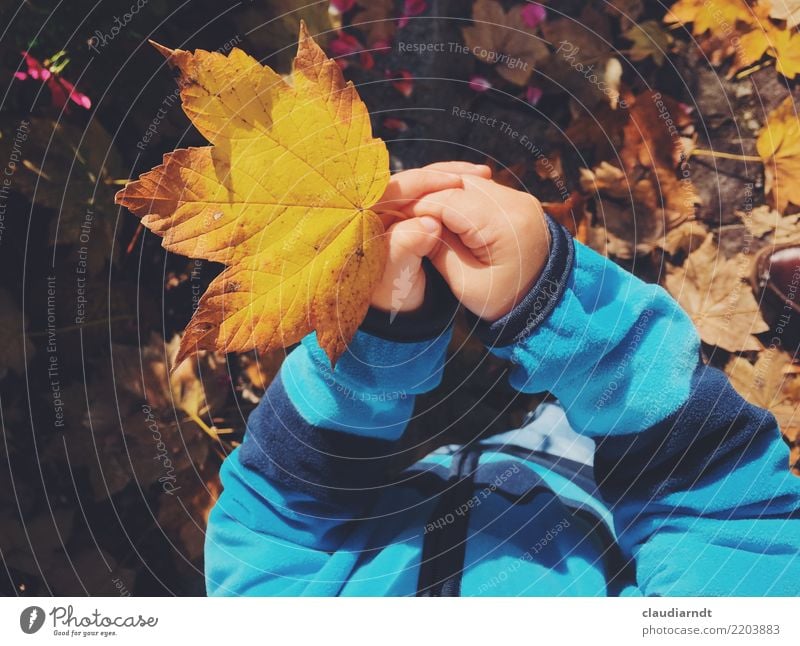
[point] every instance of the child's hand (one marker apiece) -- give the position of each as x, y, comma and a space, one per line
494, 245
402, 288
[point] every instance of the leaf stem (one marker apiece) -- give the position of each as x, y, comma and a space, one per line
752, 70
700, 152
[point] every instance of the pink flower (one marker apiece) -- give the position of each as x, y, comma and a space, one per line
346, 45
412, 8
342, 6
533, 14
533, 94
382, 45
61, 90
403, 81
398, 125
479, 84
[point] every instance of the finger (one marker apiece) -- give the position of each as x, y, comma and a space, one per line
456, 263
411, 240
461, 168
409, 185
403, 283
465, 213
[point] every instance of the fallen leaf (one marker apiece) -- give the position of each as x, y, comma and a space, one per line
376, 19
68, 169
639, 201
788, 10
726, 28
583, 61
772, 383
778, 145
712, 290
707, 16
197, 387
649, 40
764, 221
283, 198
684, 239
571, 213
627, 10
503, 39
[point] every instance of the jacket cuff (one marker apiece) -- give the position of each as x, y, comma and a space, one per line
540, 301
331, 466
428, 322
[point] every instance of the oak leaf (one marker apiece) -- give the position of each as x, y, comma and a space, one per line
283, 198
712, 291
503, 39
778, 145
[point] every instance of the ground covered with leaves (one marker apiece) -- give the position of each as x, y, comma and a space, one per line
664, 136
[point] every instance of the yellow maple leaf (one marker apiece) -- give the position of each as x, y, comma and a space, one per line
740, 29
283, 197
778, 145
707, 16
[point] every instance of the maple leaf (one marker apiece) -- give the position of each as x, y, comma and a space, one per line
504, 39
707, 16
283, 197
741, 29
641, 201
649, 40
763, 221
778, 145
770, 384
712, 291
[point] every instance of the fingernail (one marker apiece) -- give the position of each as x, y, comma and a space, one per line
429, 224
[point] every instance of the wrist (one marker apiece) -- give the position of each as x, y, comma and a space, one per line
532, 306
428, 321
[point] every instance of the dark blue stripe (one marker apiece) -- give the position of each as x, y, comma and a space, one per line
714, 424
330, 465
427, 322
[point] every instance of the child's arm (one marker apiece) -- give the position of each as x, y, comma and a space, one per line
322, 444
697, 478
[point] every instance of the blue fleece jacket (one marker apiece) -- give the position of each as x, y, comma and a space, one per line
691, 480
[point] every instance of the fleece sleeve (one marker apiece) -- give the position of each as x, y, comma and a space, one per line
696, 477
320, 447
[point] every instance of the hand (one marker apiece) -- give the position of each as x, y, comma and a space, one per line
494, 244
402, 288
